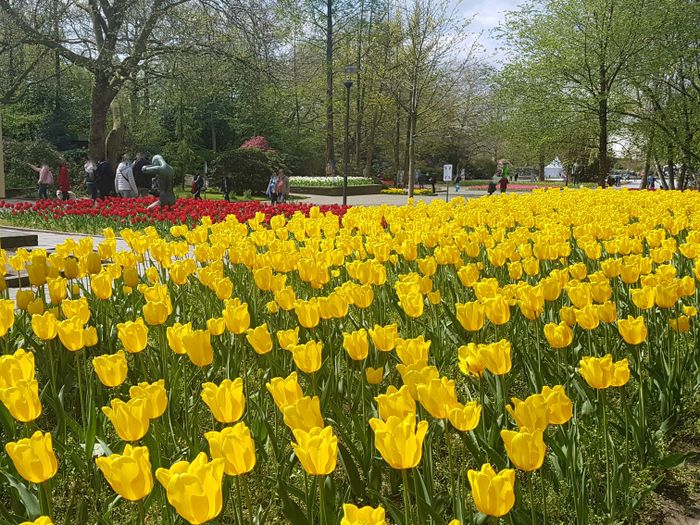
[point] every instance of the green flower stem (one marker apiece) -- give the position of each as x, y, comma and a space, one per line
544, 497
604, 424
452, 472
406, 498
321, 502
45, 499
531, 495
246, 489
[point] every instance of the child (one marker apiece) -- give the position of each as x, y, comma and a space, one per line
503, 183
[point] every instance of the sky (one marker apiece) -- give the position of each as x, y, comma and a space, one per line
488, 14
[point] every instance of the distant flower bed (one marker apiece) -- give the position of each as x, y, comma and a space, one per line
402, 191
83, 216
328, 182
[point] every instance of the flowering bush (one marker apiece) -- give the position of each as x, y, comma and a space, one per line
328, 182
84, 216
257, 142
521, 357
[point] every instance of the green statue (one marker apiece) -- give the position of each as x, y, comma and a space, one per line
165, 174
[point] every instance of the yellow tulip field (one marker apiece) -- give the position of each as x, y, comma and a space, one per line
515, 359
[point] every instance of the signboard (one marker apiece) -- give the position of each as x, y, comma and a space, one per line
447, 172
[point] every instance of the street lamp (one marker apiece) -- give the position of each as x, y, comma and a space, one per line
349, 70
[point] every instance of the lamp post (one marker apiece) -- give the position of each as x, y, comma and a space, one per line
349, 70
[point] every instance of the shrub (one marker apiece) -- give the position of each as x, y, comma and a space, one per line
19, 152
247, 169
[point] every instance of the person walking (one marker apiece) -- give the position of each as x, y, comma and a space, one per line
104, 179
503, 182
282, 186
458, 180
90, 178
226, 187
124, 181
197, 185
45, 179
271, 191
143, 182
63, 180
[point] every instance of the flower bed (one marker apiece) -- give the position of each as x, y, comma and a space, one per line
402, 191
83, 216
528, 357
328, 182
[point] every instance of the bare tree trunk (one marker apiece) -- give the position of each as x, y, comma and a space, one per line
647, 165
330, 140
662, 175
359, 101
540, 168
671, 168
411, 153
397, 144
213, 133
2, 160
369, 155
102, 97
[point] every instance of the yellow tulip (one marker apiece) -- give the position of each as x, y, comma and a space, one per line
42, 520
470, 315
36, 307
497, 310
415, 375
285, 298
412, 304
133, 335
33, 457
602, 372
129, 474
533, 413
308, 357
23, 298
22, 400
524, 448
226, 400
36, 270
399, 441
411, 351
111, 370
374, 376
559, 406
101, 285
398, 403
194, 489
588, 318
437, 397
367, 515
633, 330
316, 449
76, 308
288, 338
58, 289
680, 324
44, 326
666, 295
216, 326
494, 494
465, 417
131, 278
155, 312
175, 334
307, 313
568, 315
305, 414
470, 362
362, 296
285, 391
235, 446
356, 344
496, 357
7, 315
558, 335
16, 367
130, 419
198, 346
93, 263
236, 316
154, 395
384, 337
259, 338
607, 312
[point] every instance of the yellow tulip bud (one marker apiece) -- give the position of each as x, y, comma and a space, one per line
154, 396
197, 343
130, 419
307, 313
285, 391
374, 376
316, 449
305, 414
384, 337
465, 417
259, 338
24, 297
602, 372
356, 344
367, 515
156, 312
71, 333
633, 330
558, 335
236, 316
45, 326
524, 448
308, 357
470, 315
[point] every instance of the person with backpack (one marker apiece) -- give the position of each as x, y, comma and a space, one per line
143, 182
271, 191
90, 178
104, 179
45, 179
124, 181
197, 186
63, 180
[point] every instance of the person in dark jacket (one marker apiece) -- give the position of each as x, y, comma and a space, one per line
105, 179
143, 182
63, 180
197, 185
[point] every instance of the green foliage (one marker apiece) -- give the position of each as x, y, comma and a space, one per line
18, 153
247, 169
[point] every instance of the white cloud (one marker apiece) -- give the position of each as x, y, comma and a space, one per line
487, 15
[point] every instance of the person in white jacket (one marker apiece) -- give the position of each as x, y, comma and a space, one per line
124, 181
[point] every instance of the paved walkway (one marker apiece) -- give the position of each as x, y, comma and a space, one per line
380, 199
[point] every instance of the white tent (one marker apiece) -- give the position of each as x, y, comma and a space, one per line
554, 169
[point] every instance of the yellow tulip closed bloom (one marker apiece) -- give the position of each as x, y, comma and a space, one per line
398, 403
36, 270
16, 367
154, 395
680, 324
194, 489
7, 315
226, 400
666, 295
259, 338
412, 304
633, 330
101, 285
465, 417
558, 335
470, 315
588, 318
285, 391
415, 375
111, 370
494, 494
411, 351
316, 449
216, 326
156, 312
384, 337
22, 400
129, 474
374, 376
524, 448
133, 335
131, 277
607, 312
43, 520
602, 372
58, 289
356, 344
236, 316
496, 357
307, 313
33, 457
353, 515
129, 419
288, 338
308, 357
198, 347
235, 446
437, 397
497, 310
23, 298
305, 414
285, 298
175, 334
399, 441
532, 413
36, 307
76, 308
568, 315
470, 362
559, 406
